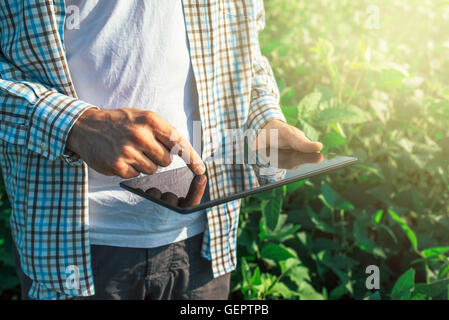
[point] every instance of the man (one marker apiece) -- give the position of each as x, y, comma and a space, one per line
84, 107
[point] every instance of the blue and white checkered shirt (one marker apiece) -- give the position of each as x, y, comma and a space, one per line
38, 107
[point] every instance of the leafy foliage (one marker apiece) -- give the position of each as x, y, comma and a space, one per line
380, 94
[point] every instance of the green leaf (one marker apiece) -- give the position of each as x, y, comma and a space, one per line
404, 286
405, 144
281, 289
291, 115
255, 279
299, 274
378, 216
374, 169
430, 252
307, 292
287, 265
432, 290
320, 244
245, 270
444, 271
329, 194
332, 140
412, 83
374, 296
271, 210
309, 105
251, 207
283, 233
381, 109
325, 49
409, 232
320, 225
286, 95
382, 193
333, 200
326, 92
338, 292
349, 114
343, 262
426, 148
308, 130
295, 185
363, 242
277, 252
390, 76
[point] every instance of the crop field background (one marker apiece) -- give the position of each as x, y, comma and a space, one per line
368, 79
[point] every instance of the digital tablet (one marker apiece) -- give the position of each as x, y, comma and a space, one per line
184, 192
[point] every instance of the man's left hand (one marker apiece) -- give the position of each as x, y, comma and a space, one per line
289, 137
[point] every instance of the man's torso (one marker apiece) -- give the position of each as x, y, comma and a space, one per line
133, 54
49, 197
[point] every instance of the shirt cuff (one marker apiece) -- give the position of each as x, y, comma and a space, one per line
52, 118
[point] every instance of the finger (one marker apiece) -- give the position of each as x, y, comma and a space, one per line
300, 142
124, 170
142, 163
177, 144
157, 152
128, 172
196, 191
170, 198
319, 159
181, 202
154, 193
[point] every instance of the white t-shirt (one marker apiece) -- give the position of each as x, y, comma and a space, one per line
133, 53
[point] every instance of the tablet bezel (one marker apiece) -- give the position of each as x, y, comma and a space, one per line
241, 194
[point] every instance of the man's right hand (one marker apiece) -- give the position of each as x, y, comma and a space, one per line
126, 142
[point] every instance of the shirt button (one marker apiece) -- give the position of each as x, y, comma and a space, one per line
44, 147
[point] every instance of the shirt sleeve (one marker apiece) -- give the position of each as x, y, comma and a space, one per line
264, 105
36, 116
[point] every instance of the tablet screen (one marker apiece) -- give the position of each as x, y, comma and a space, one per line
183, 191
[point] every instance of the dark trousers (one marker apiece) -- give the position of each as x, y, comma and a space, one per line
174, 271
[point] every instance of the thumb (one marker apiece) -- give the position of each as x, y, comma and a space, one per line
303, 144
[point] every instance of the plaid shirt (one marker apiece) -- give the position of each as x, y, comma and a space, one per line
38, 106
